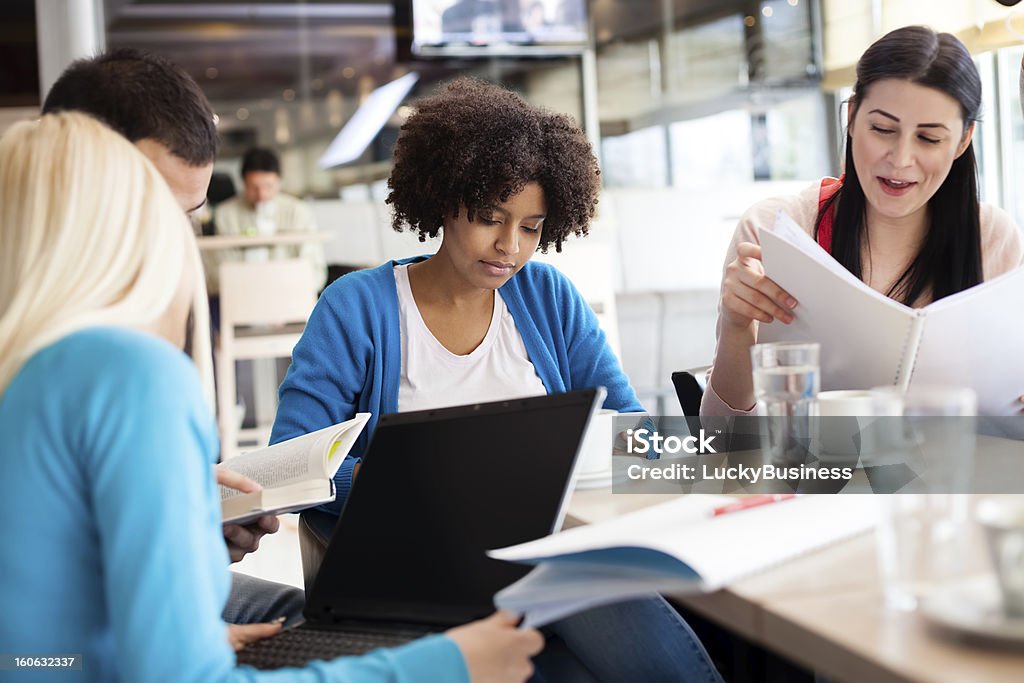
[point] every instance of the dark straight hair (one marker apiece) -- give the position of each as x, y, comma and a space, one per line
260, 159
140, 95
950, 258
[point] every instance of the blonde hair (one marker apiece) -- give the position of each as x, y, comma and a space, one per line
90, 235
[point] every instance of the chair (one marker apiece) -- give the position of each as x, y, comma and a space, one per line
315, 529
690, 385
263, 310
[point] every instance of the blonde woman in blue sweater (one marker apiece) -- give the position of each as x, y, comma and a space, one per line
114, 548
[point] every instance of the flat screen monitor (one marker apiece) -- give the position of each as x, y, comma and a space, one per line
482, 27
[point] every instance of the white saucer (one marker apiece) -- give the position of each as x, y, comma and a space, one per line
974, 607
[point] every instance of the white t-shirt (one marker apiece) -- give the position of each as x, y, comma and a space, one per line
434, 377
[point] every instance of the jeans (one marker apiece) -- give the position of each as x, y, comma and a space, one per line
255, 601
639, 640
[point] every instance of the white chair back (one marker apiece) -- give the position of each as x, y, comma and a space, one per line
266, 293
272, 300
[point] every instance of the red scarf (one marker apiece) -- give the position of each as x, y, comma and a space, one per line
829, 187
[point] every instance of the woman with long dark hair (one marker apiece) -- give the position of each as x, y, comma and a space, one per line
905, 218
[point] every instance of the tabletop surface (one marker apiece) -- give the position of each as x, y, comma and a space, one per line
825, 610
282, 238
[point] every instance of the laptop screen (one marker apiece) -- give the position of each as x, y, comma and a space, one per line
438, 488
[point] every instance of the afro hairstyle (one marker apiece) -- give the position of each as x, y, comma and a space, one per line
473, 145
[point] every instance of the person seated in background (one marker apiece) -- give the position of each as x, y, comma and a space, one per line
260, 210
114, 549
158, 107
479, 321
905, 218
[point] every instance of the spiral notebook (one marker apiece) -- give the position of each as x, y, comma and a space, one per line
674, 547
867, 339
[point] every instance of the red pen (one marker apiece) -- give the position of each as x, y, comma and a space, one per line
751, 502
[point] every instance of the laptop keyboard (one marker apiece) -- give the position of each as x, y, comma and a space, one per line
297, 646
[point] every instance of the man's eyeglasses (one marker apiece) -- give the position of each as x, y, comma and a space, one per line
195, 217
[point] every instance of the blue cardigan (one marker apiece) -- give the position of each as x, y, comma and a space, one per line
349, 359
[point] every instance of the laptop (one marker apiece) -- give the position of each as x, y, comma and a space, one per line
436, 489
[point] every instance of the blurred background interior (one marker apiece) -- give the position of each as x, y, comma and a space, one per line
697, 109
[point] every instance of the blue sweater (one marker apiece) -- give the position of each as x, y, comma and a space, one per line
349, 359
113, 547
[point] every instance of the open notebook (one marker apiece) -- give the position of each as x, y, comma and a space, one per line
967, 339
673, 547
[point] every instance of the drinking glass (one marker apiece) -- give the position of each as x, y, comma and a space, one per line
1003, 520
924, 530
787, 376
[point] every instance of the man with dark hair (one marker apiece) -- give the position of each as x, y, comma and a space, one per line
262, 209
154, 104
158, 106
257, 160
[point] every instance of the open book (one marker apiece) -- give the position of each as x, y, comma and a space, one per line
673, 547
295, 474
971, 339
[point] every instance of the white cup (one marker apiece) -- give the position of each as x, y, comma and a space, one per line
840, 427
595, 456
848, 424
1003, 520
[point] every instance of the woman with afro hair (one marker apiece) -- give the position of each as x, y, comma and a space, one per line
477, 321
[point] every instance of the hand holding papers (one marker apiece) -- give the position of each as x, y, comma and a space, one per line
677, 546
969, 339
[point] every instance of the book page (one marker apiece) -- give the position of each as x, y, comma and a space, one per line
972, 339
654, 518
279, 465
719, 550
553, 591
316, 455
341, 442
864, 335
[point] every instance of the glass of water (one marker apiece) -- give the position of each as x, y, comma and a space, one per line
924, 532
787, 377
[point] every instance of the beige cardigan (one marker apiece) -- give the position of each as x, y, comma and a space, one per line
1002, 250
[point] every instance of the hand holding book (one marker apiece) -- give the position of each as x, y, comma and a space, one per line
748, 294
966, 339
293, 475
242, 540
